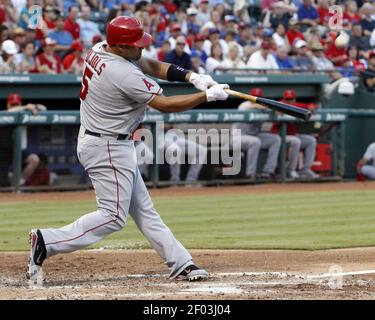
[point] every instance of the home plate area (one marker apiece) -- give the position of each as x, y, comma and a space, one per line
234, 274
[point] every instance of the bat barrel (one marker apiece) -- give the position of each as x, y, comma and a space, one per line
294, 111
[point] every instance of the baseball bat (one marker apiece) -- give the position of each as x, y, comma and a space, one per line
274, 105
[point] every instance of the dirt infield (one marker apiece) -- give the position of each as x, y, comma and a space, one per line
234, 274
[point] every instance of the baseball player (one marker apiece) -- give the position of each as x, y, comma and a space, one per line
176, 145
252, 140
366, 166
116, 89
298, 142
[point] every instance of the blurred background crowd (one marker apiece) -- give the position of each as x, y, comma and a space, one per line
204, 35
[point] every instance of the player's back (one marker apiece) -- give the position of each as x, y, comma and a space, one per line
112, 101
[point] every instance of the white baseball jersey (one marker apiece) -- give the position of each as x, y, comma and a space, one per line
370, 153
114, 93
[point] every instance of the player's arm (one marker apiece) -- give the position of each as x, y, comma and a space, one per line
188, 101
172, 72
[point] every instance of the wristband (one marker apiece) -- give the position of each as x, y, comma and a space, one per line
176, 73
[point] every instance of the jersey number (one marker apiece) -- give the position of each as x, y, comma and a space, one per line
85, 83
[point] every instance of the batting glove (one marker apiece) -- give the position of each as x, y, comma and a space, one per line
217, 92
201, 82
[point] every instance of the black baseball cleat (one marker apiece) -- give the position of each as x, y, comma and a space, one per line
192, 273
38, 254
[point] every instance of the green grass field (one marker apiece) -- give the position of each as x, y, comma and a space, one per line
317, 220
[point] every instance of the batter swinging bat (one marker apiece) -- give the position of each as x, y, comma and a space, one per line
274, 105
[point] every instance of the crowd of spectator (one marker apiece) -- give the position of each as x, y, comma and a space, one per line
204, 35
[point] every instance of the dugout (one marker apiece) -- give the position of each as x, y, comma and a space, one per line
60, 92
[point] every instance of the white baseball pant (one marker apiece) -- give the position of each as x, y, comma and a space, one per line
252, 146
119, 189
297, 143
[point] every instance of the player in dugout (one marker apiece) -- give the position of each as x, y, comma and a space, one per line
298, 141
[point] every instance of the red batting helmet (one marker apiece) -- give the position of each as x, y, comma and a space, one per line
289, 94
14, 99
257, 92
128, 31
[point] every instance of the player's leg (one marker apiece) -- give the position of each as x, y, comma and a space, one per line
111, 167
172, 152
272, 143
368, 171
149, 222
252, 146
308, 144
294, 144
31, 163
197, 155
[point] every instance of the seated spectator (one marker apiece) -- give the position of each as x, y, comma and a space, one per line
312, 35
351, 15
62, 37
7, 60
88, 28
234, 59
230, 23
192, 20
230, 39
25, 60
279, 14
213, 38
178, 56
197, 48
368, 76
19, 37
307, 14
359, 39
163, 51
354, 59
71, 24
203, 15
73, 61
367, 22
319, 60
216, 60
262, 58
245, 36
47, 23
323, 12
48, 61
25, 15
302, 60
298, 142
175, 32
366, 166
282, 58
8, 13
279, 37
294, 32
337, 55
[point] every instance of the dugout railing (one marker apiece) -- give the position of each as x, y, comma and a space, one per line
331, 123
